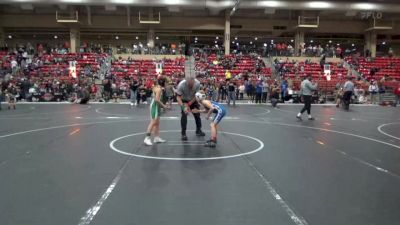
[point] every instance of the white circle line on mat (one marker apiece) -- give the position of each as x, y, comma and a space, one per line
261, 146
384, 133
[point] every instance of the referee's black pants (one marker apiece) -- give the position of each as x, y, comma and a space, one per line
307, 104
197, 118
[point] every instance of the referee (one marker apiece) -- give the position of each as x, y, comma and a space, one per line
187, 101
306, 91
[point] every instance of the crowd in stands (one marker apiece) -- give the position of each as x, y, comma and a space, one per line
46, 76
287, 49
375, 76
137, 48
235, 66
159, 49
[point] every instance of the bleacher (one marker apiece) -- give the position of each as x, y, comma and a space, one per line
385, 66
337, 73
57, 65
389, 67
242, 64
146, 68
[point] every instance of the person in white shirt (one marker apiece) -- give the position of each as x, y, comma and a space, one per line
373, 90
13, 64
241, 91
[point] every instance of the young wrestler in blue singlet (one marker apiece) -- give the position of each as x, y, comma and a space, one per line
211, 107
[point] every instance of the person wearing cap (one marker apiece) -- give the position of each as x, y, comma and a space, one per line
186, 98
348, 90
306, 91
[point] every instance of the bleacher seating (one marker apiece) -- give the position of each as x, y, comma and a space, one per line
303, 69
384, 66
134, 68
241, 64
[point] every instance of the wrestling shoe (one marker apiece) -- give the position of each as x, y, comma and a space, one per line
184, 137
210, 144
200, 133
159, 140
147, 141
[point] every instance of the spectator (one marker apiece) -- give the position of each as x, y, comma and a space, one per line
274, 95
169, 92
107, 89
284, 90
373, 92
259, 91
241, 91
397, 93
265, 91
231, 93
133, 89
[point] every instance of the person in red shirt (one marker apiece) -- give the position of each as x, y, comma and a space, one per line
397, 93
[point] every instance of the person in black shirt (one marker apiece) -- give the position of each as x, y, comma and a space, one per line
231, 93
141, 94
222, 92
107, 90
133, 87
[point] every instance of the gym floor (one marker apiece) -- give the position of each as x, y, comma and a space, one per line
86, 164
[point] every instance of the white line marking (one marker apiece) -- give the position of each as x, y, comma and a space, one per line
364, 118
231, 118
117, 117
92, 211
48, 113
382, 132
186, 159
183, 144
322, 129
63, 126
289, 211
169, 117
367, 163
109, 114
237, 103
266, 112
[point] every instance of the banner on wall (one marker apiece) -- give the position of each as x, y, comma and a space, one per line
159, 68
327, 69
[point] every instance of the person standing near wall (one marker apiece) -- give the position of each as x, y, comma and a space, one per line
373, 92
231, 93
397, 93
133, 88
107, 89
265, 91
241, 91
306, 91
259, 91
